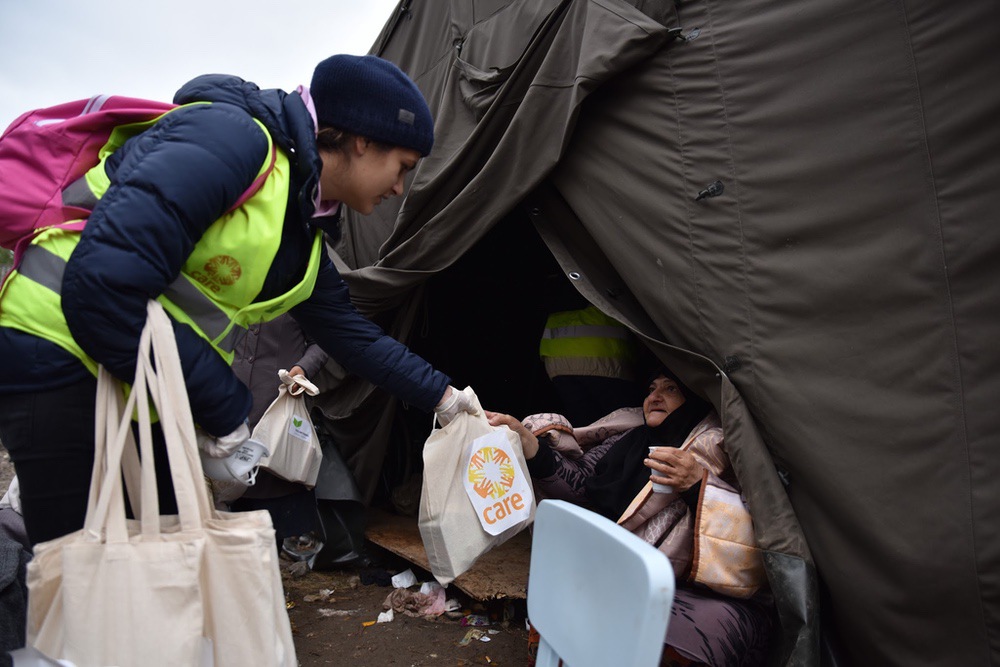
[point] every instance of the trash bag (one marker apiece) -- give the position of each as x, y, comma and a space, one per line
342, 529
341, 510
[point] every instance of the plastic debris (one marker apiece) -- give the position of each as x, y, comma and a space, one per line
453, 609
475, 620
321, 596
470, 636
368, 624
431, 588
413, 603
404, 579
386, 617
327, 613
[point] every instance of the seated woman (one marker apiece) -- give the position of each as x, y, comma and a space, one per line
722, 614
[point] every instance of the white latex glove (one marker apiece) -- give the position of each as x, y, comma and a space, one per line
218, 448
450, 407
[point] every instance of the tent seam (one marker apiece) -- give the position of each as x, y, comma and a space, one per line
685, 162
739, 217
922, 123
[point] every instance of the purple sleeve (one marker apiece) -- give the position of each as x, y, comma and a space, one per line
564, 478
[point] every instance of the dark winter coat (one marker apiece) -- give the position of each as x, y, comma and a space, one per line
168, 185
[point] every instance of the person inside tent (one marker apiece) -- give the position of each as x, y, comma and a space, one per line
722, 613
590, 358
171, 220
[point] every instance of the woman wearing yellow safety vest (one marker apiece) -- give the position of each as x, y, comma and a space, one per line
163, 226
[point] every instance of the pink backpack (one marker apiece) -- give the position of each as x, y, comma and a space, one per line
45, 150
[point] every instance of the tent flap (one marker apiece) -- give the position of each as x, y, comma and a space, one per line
836, 296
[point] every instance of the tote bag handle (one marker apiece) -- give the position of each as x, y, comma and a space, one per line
105, 502
109, 408
165, 387
171, 400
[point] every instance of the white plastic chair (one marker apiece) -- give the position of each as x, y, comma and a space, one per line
598, 595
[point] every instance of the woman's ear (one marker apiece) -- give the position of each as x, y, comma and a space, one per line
360, 146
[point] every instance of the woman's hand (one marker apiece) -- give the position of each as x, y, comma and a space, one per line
294, 388
529, 443
676, 467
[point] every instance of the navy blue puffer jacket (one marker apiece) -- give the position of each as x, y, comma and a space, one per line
168, 185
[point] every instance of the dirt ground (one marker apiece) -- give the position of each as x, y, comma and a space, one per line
333, 631
332, 614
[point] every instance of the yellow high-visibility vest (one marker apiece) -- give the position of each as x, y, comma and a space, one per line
215, 290
587, 342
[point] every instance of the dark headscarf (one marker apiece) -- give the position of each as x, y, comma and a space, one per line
620, 474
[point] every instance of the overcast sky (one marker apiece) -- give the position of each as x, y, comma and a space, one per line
54, 51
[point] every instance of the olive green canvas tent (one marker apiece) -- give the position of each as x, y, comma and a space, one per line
795, 205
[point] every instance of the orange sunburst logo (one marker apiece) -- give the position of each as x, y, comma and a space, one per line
224, 269
491, 472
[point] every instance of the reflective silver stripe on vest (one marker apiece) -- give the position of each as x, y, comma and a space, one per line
586, 331
46, 268
204, 312
78, 194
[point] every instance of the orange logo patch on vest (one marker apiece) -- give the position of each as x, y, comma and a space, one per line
224, 268
220, 271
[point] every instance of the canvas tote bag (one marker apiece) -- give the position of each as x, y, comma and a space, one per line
200, 588
476, 492
287, 431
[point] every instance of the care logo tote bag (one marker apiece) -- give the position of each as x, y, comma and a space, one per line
201, 588
476, 492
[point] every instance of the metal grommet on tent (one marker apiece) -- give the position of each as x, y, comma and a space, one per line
573, 275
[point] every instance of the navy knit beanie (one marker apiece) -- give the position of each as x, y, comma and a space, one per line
371, 97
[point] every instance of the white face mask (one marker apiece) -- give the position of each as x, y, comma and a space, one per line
240, 466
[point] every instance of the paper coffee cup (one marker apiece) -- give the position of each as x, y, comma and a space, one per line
657, 487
